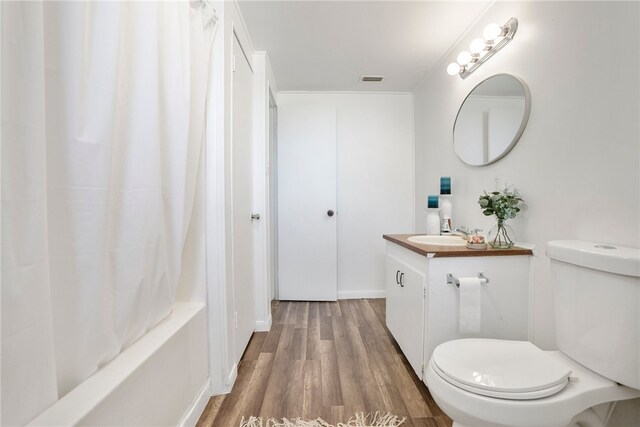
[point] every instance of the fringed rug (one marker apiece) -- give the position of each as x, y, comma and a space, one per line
377, 419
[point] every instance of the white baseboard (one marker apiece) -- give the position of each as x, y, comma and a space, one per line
192, 415
264, 325
232, 378
374, 293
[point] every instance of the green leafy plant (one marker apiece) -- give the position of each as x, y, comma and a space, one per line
503, 204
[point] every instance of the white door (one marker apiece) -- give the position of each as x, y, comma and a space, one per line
307, 215
242, 179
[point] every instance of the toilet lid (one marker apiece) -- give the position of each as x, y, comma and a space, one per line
500, 368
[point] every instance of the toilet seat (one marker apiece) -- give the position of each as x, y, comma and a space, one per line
516, 370
473, 409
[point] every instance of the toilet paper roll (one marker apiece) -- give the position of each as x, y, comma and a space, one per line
470, 305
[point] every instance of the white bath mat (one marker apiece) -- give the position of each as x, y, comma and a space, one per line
377, 419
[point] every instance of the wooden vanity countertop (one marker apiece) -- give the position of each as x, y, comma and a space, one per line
451, 251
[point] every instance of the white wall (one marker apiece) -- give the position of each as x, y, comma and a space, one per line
375, 180
578, 161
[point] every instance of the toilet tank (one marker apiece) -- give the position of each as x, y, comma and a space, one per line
596, 298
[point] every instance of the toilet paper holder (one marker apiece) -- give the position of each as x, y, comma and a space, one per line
452, 280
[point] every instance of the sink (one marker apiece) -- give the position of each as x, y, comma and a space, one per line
438, 240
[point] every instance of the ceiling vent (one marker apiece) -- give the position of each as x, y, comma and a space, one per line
371, 78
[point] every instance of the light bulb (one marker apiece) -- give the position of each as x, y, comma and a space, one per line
492, 31
453, 69
477, 46
464, 58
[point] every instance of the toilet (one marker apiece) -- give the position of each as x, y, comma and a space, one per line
498, 383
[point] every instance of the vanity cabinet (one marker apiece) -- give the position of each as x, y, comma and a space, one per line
423, 310
405, 308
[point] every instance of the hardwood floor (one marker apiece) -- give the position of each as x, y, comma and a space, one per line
327, 360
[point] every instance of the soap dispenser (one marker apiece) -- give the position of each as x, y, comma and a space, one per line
433, 216
445, 205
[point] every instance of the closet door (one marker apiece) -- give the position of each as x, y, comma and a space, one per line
242, 194
307, 215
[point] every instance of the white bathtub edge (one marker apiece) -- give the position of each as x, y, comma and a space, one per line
192, 415
80, 401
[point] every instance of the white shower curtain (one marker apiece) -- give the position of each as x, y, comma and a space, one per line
103, 107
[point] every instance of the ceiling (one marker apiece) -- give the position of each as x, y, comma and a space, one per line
328, 45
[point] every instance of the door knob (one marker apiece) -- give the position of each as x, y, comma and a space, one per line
330, 212
255, 216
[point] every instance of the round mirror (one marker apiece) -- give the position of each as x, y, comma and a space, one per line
491, 119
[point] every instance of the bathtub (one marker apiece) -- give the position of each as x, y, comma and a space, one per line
160, 380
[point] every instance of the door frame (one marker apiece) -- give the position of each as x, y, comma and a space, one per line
264, 88
272, 176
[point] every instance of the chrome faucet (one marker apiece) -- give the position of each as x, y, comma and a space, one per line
465, 232
461, 231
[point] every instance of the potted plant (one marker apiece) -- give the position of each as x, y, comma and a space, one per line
504, 205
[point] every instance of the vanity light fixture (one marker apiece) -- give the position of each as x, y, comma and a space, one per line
495, 37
